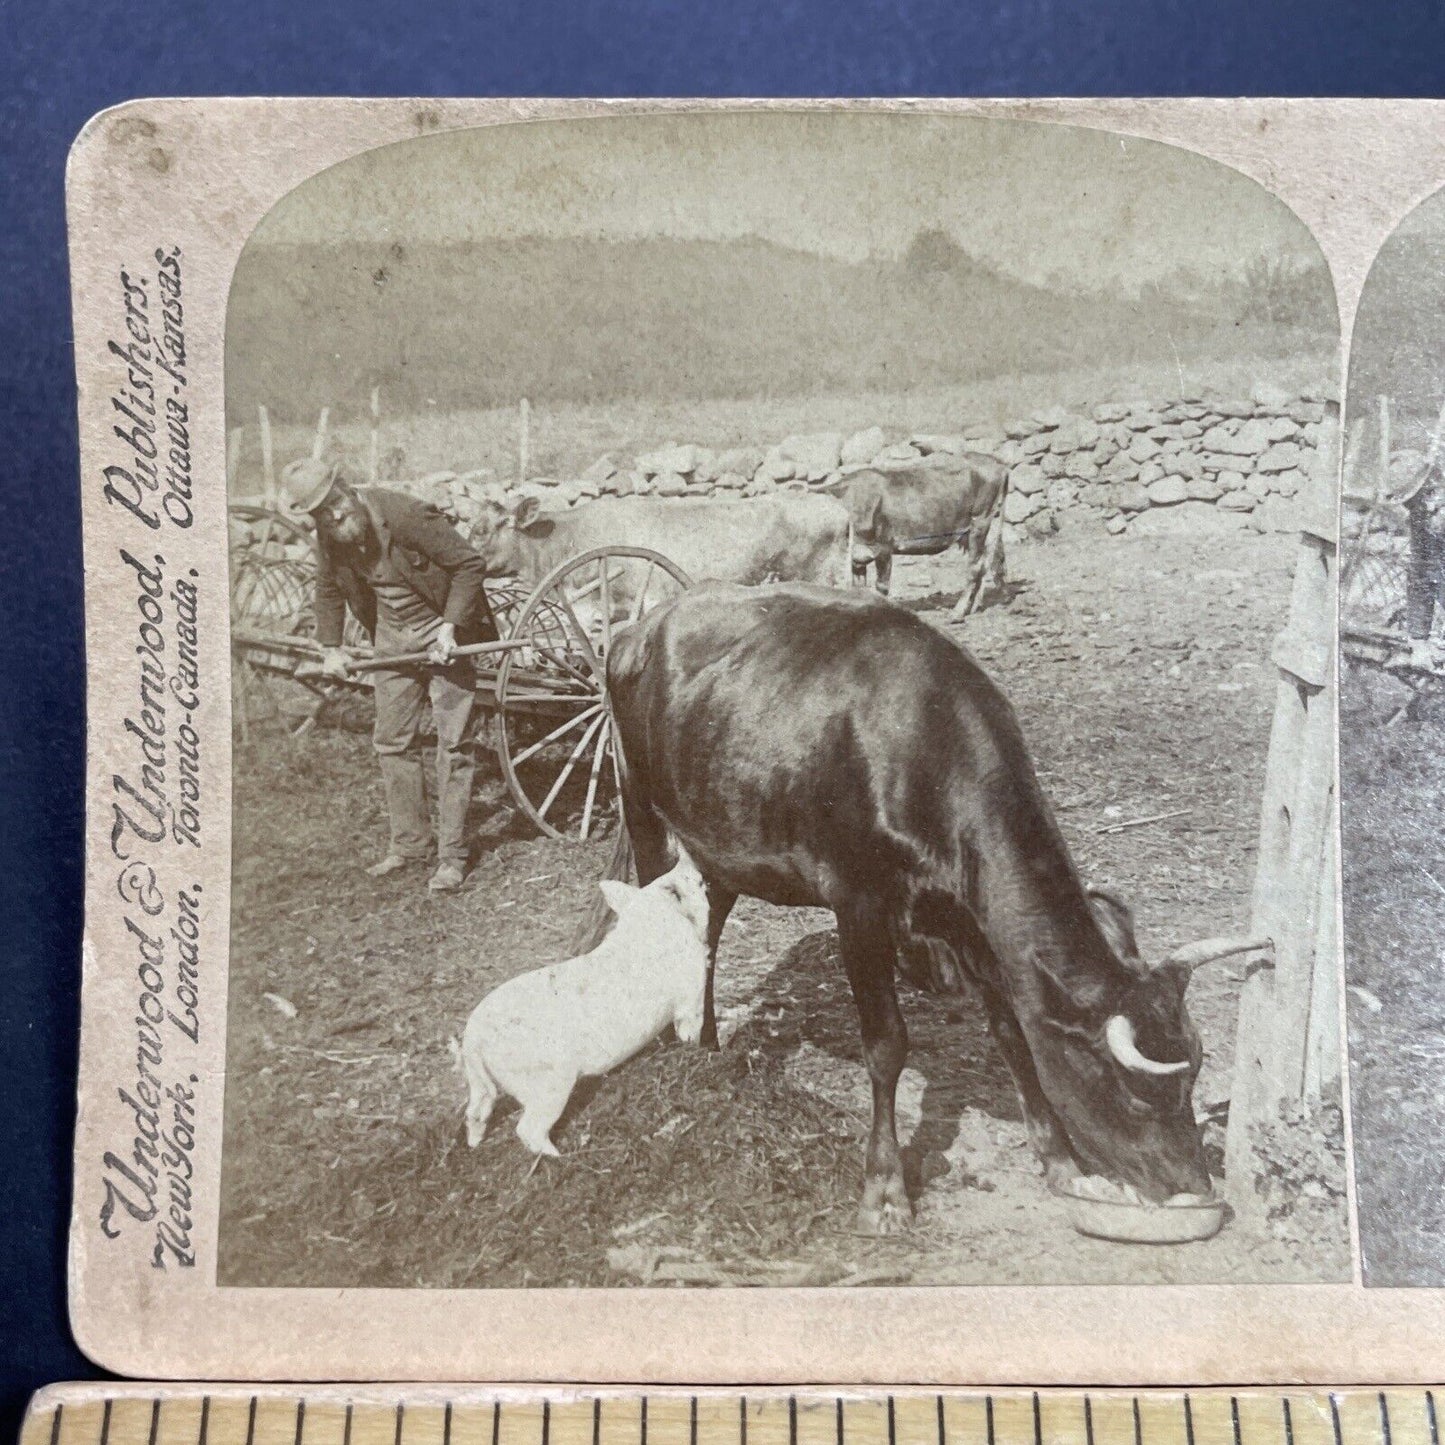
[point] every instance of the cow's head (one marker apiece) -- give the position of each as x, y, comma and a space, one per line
1117, 1055
502, 520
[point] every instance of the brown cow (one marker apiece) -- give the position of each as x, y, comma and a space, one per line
923, 510
829, 750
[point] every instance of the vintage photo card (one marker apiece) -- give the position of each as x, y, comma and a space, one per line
713, 740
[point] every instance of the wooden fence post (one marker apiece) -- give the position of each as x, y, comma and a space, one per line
268, 460
233, 455
373, 466
318, 445
1288, 1046
1384, 474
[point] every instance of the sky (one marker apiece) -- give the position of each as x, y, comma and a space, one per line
1033, 199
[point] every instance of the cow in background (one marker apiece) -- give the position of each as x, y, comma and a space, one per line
922, 510
790, 537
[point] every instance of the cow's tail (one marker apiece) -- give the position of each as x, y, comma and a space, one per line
596, 922
995, 565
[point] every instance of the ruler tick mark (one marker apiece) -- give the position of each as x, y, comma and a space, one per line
1188, 1421
1288, 1422
346, 1429
447, 1424
892, 1424
1430, 1417
396, 1439
1335, 1417
300, 1418
988, 1417
692, 1422
1038, 1422
1234, 1419
1384, 1419
55, 1425
1138, 1424
156, 1420
105, 1424
596, 1422
497, 1423
251, 1422
743, 1419
1088, 1421
547, 1421
205, 1420
792, 1420
838, 1417
942, 1433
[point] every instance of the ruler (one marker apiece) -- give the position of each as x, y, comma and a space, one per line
179, 1414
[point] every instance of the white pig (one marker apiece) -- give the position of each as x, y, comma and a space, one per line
534, 1036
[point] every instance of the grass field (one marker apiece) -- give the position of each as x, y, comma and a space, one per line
481, 324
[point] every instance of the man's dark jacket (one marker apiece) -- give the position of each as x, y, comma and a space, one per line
425, 550
1427, 558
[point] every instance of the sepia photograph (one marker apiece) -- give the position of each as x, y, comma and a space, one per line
1392, 726
756, 643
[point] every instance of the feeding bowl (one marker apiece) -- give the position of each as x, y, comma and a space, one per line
1106, 1210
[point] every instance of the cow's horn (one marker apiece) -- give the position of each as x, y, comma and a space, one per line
1210, 950
1119, 1035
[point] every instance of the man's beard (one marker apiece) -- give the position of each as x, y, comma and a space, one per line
349, 533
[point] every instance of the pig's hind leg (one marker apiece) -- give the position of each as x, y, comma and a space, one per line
481, 1100
544, 1100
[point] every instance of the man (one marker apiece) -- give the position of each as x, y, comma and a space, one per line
415, 586
1425, 508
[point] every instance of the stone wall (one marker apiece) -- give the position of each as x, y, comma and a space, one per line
1139, 467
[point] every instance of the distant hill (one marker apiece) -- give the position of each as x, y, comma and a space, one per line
479, 325
1398, 349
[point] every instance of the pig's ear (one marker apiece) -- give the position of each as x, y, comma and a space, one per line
618, 895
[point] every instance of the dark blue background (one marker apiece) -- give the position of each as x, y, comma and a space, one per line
61, 63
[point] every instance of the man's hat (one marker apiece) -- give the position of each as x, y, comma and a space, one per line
1417, 470
305, 484
1414, 482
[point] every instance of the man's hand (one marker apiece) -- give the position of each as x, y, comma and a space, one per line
445, 644
1421, 656
335, 664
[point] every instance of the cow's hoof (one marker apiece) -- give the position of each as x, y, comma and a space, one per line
885, 1209
1060, 1173
885, 1220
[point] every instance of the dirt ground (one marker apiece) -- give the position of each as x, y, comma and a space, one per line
1140, 672
1392, 783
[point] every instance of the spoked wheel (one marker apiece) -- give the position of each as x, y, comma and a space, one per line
555, 737
272, 571
273, 585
